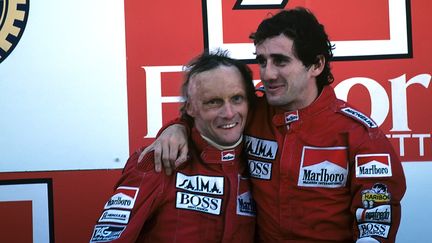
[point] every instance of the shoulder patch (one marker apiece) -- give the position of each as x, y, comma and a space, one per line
357, 115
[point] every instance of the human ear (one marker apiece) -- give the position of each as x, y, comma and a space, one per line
318, 67
190, 109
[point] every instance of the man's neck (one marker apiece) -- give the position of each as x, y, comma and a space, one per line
221, 147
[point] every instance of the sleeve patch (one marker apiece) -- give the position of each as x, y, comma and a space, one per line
359, 116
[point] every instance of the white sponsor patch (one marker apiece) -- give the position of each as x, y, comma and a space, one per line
199, 183
104, 233
373, 229
373, 165
200, 203
227, 155
359, 116
245, 203
291, 116
380, 214
261, 148
260, 169
115, 216
323, 167
124, 197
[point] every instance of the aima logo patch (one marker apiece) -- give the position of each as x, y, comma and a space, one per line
323, 167
261, 148
199, 183
205, 204
124, 197
103, 233
373, 165
13, 19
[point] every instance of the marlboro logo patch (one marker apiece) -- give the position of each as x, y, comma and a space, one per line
373, 165
323, 167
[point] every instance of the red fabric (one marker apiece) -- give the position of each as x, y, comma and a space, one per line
303, 174
159, 214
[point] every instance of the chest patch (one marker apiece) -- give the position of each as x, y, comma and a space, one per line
200, 203
261, 148
245, 203
323, 167
200, 183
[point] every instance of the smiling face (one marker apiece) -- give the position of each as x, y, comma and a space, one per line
218, 104
288, 83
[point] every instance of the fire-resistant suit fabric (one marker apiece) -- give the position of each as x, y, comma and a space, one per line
207, 199
325, 173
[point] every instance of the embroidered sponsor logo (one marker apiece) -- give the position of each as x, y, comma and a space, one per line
261, 148
245, 203
378, 194
380, 214
373, 165
115, 216
124, 197
103, 233
359, 116
323, 167
373, 229
205, 204
260, 169
291, 116
227, 155
199, 183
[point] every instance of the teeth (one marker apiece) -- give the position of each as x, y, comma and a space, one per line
229, 125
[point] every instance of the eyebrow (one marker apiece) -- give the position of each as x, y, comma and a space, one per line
274, 56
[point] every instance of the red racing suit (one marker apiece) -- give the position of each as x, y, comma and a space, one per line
207, 199
325, 173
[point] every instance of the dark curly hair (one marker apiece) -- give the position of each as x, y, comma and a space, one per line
308, 35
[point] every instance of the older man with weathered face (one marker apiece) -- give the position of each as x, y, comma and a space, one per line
218, 104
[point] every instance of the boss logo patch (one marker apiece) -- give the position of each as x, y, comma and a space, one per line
259, 169
200, 203
373, 229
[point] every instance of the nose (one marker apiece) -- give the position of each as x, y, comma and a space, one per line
228, 111
268, 72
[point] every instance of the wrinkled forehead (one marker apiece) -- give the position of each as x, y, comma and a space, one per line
220, 81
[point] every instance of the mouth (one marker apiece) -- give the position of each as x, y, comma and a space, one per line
274, 87
229, 125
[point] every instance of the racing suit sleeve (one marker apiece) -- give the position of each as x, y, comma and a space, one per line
377, 186
136, 197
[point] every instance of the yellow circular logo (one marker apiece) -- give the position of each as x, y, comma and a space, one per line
13, 19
